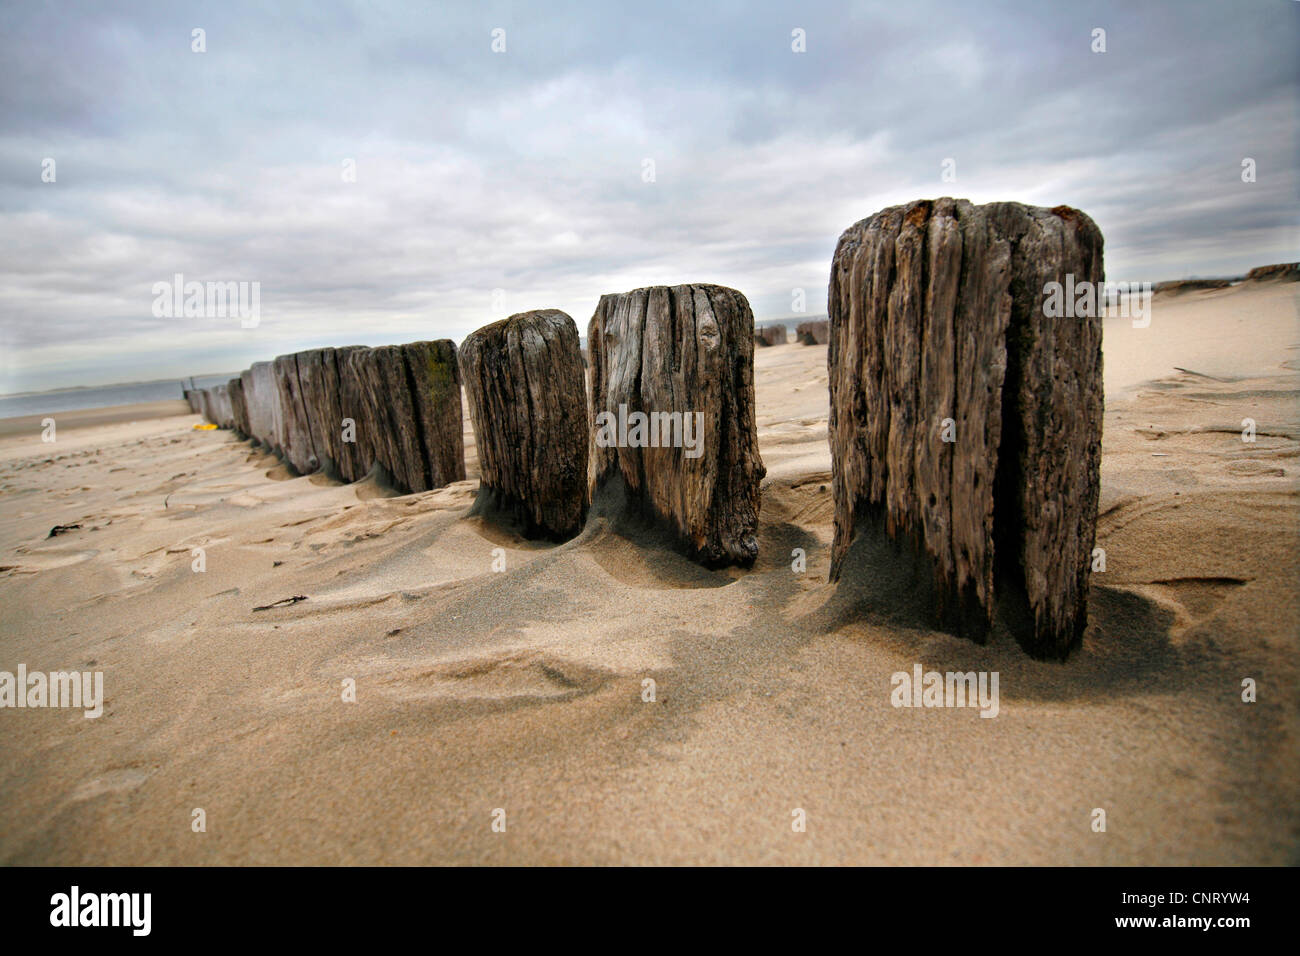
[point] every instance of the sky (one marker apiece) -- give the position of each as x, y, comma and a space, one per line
385, 175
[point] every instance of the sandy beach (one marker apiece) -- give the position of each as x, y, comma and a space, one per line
522, 689
28, 425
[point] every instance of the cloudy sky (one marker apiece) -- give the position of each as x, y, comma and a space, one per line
525, 171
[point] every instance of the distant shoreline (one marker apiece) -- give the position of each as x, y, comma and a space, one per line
177, 380
90, 417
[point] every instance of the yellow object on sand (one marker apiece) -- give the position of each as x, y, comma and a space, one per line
205, 427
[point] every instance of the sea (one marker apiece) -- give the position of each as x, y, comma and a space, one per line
103, 396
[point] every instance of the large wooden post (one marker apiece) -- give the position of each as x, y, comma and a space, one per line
672, 393
964, 416
523, 380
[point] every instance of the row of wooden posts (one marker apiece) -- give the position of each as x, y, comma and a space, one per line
964, 423
349, 411
815, 332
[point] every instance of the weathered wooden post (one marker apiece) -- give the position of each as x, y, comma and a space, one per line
263, 401
355, 406
435, 388
296, 444
816, 332
771, 335
318, 375
394, 440
238, 410
225, 410
523, 380
966, 418
672, 392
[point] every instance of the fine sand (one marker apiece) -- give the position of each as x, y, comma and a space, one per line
523, 689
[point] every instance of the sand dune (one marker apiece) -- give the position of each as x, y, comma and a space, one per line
522, 689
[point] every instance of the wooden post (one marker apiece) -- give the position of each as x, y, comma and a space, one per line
523, 379
318, 375
963, 417
225, 414
355, 405
817, 332
679, 362
206, 407
296, 446
435, 388
239, 411
263, 401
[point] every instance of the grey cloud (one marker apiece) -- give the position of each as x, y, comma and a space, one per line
522, 171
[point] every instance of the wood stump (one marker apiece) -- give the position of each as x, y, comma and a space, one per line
817, 332
296, 444
368, 392
264, 376
682, 358
355, 404
263, 402
214, 405
408, 467
963, 418
771, 335
435, 388
239, 412
226, 406
319, 377
206, 407
523, 380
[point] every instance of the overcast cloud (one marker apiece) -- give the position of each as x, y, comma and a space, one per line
522, 170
